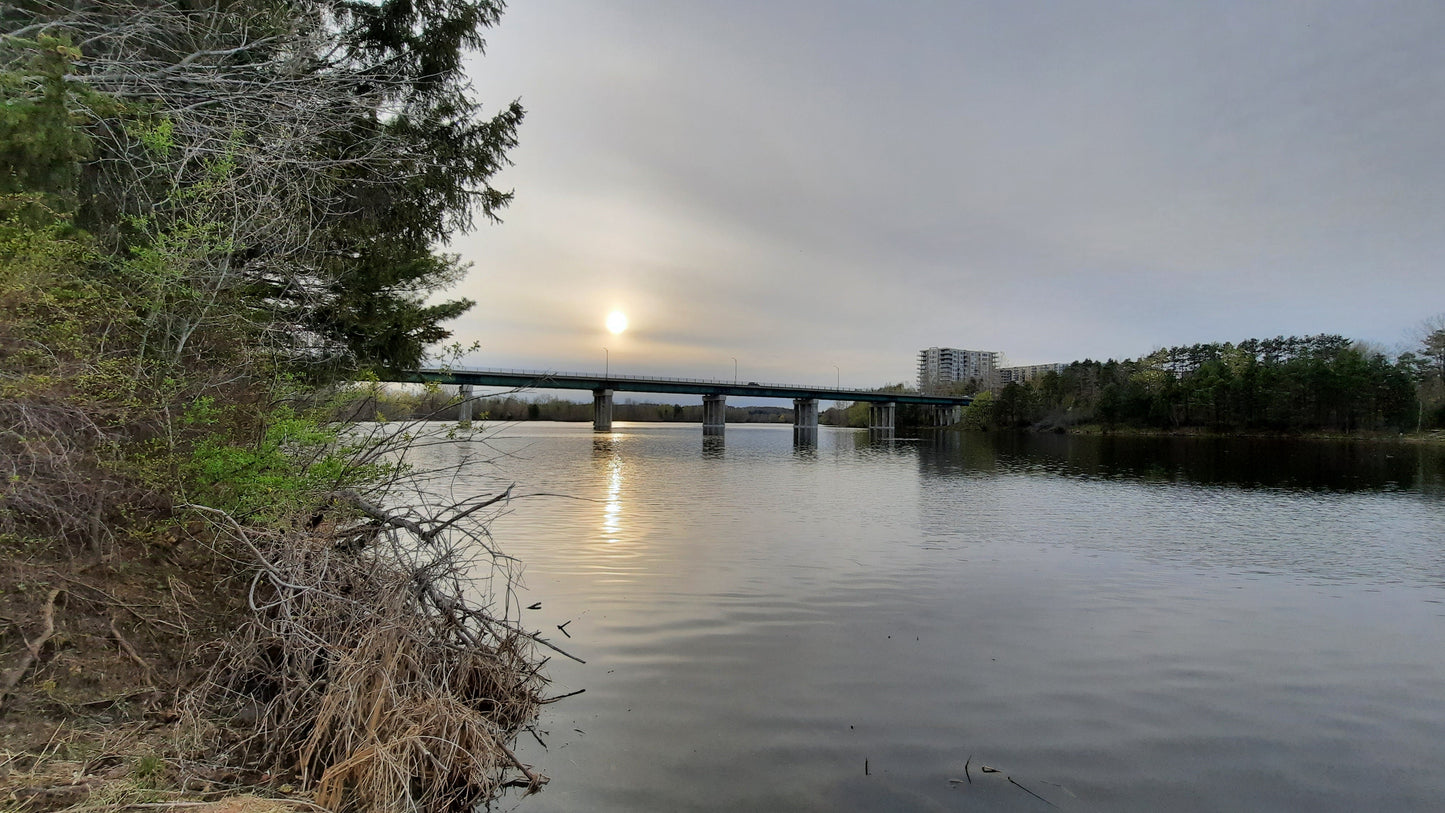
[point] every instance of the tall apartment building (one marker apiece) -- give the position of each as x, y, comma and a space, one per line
940, 367
1026, 372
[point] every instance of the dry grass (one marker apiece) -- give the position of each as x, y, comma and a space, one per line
346, 666
346, 660
371, 673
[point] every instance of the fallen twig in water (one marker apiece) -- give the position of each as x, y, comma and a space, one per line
1029, 792
991, 770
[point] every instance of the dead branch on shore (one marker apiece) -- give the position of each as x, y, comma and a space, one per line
13, 677
372, 667
146, 669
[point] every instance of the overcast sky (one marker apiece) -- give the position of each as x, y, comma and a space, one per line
799, 184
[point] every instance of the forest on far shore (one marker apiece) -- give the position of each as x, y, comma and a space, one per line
1323, 383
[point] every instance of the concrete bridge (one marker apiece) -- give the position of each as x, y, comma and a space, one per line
882, 413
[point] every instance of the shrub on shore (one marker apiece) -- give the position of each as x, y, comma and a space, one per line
208, 216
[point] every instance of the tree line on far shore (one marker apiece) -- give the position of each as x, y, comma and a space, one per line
1323, 383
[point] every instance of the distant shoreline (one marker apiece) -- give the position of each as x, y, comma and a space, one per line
1099, 430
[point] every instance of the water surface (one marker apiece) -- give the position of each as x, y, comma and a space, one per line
1115, 625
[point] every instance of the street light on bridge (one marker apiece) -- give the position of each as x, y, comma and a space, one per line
735, 370
606, 362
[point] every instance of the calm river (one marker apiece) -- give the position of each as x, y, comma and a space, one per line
1111, 625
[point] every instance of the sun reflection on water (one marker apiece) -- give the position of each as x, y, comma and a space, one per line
612, 509
607, 456
616, 553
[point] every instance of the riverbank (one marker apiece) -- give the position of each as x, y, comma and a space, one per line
302, 662
102, 652
1431, 437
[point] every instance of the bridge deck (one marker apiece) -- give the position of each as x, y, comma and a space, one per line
552, 380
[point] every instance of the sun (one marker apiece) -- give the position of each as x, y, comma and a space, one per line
616, 322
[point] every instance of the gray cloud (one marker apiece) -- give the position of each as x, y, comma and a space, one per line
806, 184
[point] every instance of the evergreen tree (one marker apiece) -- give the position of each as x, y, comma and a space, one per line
297, 163
382, 261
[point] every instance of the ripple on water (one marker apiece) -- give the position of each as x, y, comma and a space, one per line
1116, 634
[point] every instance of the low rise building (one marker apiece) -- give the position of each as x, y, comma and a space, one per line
1026, 372
941, 368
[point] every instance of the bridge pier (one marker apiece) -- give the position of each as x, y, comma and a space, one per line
714, 414
464, 415
882, 416
602, 410
947, 415
805, 420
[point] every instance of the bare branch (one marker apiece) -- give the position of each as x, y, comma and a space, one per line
13, 677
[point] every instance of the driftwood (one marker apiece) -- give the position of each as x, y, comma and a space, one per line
146, 669
13, 677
